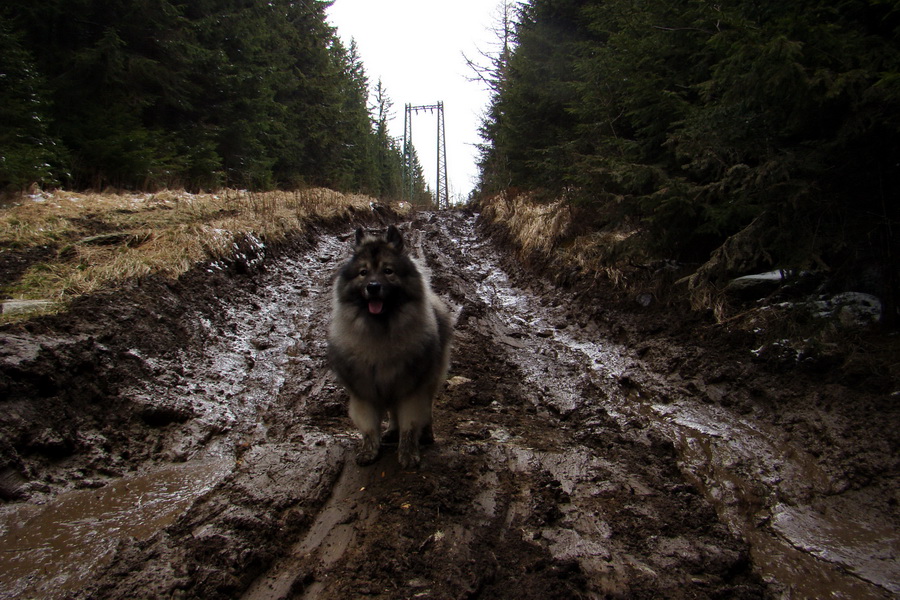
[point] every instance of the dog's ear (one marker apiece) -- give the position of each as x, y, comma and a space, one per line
360, 234
394, 238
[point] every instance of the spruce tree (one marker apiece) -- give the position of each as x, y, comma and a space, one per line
699, 119
152, 93
28, 153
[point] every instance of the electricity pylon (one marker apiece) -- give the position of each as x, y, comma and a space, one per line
441, 190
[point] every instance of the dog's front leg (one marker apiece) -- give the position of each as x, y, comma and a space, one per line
408, 451
413, 419
367, 419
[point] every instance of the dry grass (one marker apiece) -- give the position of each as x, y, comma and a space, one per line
534, 226
98, 240
596, 253
549, 229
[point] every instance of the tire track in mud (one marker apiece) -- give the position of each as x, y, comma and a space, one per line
219, 403
532, 490
805, 538
558, 472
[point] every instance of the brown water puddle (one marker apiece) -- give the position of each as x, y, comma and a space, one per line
743, 467
808, 553
51, 549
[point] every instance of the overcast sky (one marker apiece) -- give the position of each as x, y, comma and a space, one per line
416, 48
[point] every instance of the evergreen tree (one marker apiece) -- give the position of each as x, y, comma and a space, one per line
110, 66
357, 160
151, 93
701, 118
388, 154
422, 196
27, 151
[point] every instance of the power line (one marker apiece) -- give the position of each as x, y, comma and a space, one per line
442, 189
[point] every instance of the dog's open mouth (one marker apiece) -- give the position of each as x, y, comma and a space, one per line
375, 307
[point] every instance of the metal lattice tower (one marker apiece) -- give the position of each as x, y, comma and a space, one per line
442, 189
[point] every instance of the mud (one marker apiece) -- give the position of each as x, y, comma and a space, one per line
186, 440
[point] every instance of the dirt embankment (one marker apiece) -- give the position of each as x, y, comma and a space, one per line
189, 441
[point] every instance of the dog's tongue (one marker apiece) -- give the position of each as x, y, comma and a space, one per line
375, 306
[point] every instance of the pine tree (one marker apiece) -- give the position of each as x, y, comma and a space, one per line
699, 119
28, 153
151, 93
389, 155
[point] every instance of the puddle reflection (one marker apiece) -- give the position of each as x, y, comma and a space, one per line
51, 549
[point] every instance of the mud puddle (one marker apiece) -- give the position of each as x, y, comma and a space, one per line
53, 549
759, 483
565, 465
802, 532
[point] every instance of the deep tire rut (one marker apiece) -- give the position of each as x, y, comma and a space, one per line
517, 499
552, 475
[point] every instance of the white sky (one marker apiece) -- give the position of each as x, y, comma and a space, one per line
416, 47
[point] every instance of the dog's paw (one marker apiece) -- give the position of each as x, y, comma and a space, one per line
367, 453
409, 460
408, 451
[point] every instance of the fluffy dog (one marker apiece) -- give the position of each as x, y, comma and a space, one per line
389, 344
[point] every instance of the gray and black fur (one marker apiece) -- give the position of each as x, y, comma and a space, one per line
389, 344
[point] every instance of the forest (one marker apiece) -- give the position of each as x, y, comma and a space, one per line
150, 94
179, 184
770, 124
774, 124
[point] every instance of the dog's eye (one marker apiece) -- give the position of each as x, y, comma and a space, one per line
363, 272
388, 271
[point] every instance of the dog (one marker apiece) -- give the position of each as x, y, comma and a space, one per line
388, 344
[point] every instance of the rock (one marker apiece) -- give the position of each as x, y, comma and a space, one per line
457, 381
12, 484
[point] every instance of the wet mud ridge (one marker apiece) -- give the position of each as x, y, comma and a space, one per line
565, 465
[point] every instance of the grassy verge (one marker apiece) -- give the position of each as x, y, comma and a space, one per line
570, 239
57, 246
792, 326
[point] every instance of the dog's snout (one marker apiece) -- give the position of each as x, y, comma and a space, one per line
373, 288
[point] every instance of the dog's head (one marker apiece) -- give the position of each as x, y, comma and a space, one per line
380, 277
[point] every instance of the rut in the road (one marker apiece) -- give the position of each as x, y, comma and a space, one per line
532, 490
214, 453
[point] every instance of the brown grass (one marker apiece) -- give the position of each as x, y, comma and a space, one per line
551, 229
103, 239
534, 226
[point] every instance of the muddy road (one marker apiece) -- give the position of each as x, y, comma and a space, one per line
187, 441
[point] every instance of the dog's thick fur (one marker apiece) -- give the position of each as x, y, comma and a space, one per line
389, 344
